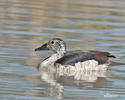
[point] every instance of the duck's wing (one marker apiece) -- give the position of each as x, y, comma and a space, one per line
102, 53
73, 57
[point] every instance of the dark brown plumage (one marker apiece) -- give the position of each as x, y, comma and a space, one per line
72, 57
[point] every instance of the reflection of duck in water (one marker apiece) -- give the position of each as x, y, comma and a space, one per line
57, 83
72, 61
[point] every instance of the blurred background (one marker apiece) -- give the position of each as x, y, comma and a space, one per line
83, 24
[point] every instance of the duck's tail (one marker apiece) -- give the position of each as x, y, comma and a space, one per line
112, 63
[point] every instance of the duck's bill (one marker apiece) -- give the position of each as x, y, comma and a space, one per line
43, 47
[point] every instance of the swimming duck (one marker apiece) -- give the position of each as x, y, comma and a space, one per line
74, 60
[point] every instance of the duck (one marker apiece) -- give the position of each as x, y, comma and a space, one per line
76, 60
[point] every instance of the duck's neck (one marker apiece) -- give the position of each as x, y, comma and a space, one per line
51, 60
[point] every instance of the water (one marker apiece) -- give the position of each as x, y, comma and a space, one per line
83, 24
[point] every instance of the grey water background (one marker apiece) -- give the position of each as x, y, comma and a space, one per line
83, 24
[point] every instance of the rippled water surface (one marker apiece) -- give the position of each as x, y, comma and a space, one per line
83, 24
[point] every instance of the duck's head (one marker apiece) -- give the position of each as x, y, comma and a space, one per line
56, 45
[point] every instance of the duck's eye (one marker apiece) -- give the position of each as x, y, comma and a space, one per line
52, 42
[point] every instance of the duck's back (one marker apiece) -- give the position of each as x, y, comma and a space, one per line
73, 57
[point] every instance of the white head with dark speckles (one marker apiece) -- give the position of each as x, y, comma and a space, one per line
56, 45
